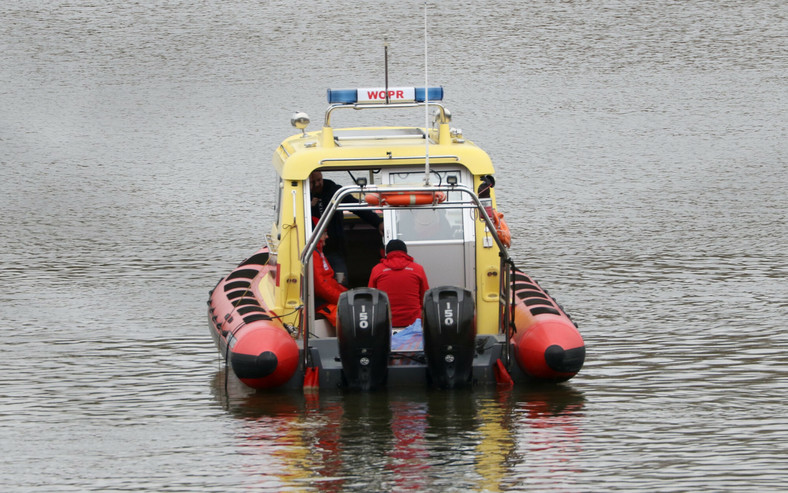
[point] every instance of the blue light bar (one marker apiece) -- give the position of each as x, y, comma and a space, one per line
343, 96
377, 95
434, 93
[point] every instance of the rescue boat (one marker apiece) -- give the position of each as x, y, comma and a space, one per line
484, 322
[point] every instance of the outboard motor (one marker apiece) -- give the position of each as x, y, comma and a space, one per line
364, 335
449, 335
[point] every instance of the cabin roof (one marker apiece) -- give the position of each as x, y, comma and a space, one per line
364, 147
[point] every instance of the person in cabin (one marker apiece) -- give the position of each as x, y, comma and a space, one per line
405, 282
327, 289
335, 250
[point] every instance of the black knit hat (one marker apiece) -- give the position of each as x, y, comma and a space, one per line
394, 245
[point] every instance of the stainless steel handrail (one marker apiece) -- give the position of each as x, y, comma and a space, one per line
336, 205
386, 158
365, 106
343, 192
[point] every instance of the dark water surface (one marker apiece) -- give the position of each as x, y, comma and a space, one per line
642, 166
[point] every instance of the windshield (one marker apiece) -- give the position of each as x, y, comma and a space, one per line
428, 224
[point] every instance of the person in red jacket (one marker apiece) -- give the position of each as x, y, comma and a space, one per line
405, 283
327, 289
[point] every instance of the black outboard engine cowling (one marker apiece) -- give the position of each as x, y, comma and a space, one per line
449, 335
364, 335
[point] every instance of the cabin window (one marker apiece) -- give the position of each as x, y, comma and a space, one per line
428, 224
277, 203
441, 240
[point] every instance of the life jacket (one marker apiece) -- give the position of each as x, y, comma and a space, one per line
502, 228
327, 289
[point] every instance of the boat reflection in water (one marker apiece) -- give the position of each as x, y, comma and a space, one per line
405, 439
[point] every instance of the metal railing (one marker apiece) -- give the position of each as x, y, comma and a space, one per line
336, 206
376, 106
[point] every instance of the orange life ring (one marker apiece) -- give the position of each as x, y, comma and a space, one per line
404, 198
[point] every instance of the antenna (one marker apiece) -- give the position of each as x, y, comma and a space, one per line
386, 63
426, 107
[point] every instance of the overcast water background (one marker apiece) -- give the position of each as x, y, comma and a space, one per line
641, 150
